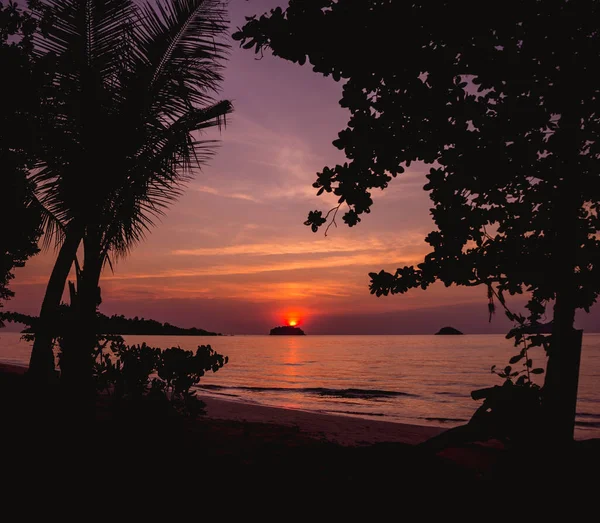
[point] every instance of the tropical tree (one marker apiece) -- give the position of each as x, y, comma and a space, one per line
135, 86
19, 112
504, 108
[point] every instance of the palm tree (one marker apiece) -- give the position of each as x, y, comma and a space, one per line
135, 87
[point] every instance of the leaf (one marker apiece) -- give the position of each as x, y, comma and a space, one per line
507, 369
537, 371
516, 359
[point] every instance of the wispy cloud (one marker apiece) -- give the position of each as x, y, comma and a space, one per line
265, 291
405, 185
224, 194
283, 164
295, 265
244, 131
287, 290
307, 247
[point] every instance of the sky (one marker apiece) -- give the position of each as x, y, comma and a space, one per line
233, 256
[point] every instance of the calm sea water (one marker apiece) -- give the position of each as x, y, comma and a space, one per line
424, 380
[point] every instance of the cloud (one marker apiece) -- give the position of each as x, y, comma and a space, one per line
287, 290
224, 194
277, 164
295, 265
289, 166
314, 290
246, 132
307, 247
405, 185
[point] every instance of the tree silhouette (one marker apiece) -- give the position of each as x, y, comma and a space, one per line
135, 86
505, 109
115, 324
19, 111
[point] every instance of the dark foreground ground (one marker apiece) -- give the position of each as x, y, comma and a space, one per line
138, 454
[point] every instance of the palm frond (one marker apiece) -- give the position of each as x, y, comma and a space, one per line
90, 39
181, 50
157, 176
54, 195
53, 227
86, 33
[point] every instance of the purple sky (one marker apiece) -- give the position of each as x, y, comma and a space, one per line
233, 254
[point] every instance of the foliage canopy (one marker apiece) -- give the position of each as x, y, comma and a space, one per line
504, 109
20, 113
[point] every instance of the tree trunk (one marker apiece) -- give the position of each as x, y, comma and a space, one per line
564, 354
41, 363
79, 342
562, 377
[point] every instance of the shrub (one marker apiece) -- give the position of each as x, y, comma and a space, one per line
139, 371
513, 410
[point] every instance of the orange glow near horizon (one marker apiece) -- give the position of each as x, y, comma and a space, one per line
293, 318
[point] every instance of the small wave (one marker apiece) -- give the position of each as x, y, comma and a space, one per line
452, 394
228, 394
445, 420
592, 424
355, 393
588, 415
241, 387
357, 413
292, 364
319, 391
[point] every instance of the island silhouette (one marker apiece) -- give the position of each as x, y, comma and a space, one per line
119, 324
448, 330
286, 330
115, 324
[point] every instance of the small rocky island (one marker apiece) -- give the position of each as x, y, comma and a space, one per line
287, 330
448, 330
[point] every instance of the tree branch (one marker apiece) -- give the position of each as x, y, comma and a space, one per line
336, 209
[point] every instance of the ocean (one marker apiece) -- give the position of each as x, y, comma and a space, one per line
422, 380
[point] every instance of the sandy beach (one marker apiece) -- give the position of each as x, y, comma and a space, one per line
344, 430
244, 447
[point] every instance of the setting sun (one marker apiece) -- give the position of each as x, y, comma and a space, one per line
292, 317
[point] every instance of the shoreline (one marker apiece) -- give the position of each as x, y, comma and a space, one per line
335, 428
339, 428
259, 445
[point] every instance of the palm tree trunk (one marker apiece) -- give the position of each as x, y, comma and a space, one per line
79, 341
41, 363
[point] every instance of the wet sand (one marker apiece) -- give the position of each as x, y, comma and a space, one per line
344, 430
